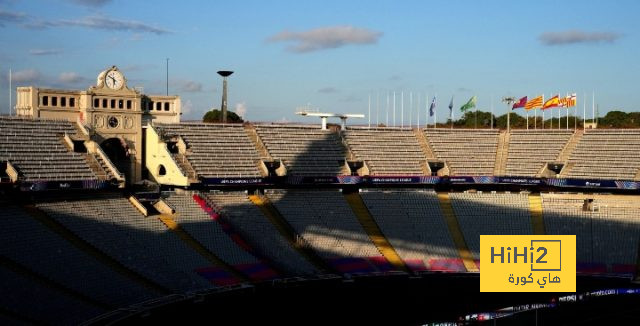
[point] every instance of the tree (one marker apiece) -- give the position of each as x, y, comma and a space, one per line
215, 115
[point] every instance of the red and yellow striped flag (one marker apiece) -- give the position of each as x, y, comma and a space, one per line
535, 102
551, 103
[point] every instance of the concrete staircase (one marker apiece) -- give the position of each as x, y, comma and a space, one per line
185, 167
372, 229
568, 150
426, 149
502, 153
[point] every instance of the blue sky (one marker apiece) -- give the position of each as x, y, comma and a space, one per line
331, 55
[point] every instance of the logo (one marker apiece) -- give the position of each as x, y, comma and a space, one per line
527, 263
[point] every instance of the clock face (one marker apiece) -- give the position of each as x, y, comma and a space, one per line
114, 79
113, 122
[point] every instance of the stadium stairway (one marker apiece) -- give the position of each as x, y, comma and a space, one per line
567, 150
287, 231
373, 231
456, 232
537, 220
502, 153
84, 246
194, 244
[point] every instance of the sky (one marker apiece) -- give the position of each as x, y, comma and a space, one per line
330, 56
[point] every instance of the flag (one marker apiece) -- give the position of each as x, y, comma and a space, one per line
572, 100
451, 104
469, 105
520, 104
551, 103
534, 103
432, 107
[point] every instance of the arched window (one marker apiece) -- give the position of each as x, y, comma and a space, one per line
166, 106
162, 170
96, 102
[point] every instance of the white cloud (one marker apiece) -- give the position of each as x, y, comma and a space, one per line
190, 86
26, 76
328, 90
44, 51
577, 36
101, 23
241, 109
91, 3
326, 38
70, 78
11, 17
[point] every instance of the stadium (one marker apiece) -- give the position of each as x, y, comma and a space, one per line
115, 212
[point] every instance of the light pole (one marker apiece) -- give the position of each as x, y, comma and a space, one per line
223, 106
509, 100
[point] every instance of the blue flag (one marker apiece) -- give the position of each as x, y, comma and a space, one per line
432, 107
451, 104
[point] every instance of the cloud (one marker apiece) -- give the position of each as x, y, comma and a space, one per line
70, 78
26, 76
139, 67
190, 86
328, 90
91, 3
44, 51
187, 107
324, 38
11, 17
101, 23
241, 109
576, 36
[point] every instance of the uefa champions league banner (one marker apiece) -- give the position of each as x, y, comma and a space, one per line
592, 183
63, 185
520, 180
401, 180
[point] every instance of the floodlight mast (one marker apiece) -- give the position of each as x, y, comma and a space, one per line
223, 106
509, 100
323, 117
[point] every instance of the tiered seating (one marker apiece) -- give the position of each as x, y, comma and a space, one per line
607, 154
490, 213
305, 150
217, 150
412, 221
30, 244
193, 219
35, 147
386, 151
143, 244
529, 150
26, 297
467, 152
326, 222
607, 234
239, 211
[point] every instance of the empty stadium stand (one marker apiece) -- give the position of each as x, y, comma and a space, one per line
387, 151
216, 150
607, 227
143, 244
467, 152
305, 150
417, 231
606, 154
530, 150
491, 213
332, 231
36, 148
240, 212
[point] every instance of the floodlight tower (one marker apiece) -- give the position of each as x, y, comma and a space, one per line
509, 100
223, 106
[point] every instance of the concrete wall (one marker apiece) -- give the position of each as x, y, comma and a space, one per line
157, 154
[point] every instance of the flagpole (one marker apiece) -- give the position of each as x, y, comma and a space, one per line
418, 110
10, 93
527, 119
387, 119
426, 109
593, 106
369, 111
535, 119
491, 111
559, 117
451, 114
584, 110
410, 109
394, 108
541, 109
377, 108
401, 109
567, 114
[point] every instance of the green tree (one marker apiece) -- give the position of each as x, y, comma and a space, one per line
215, 115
